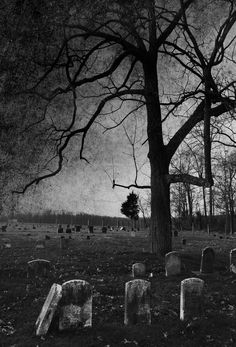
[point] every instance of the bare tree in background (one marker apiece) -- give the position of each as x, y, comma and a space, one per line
95, 61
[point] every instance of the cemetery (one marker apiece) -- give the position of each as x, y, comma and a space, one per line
109, 290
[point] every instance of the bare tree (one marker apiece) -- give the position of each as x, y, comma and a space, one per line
113, 58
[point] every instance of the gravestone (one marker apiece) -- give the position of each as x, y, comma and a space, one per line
64, 243
59, 229
137, 302
191, 298
77, 228
138, 270
207, 260
49, 307
172, 264
68, 229
104, 230
38, 267
40, 244
75, 305
232, 257
132, 233
90, 229
184, 241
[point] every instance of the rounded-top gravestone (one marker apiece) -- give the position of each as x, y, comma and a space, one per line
191, 298
138, 270
207, 260
75, 305
137, 302
172, 263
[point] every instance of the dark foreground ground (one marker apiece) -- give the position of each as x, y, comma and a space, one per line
105, 262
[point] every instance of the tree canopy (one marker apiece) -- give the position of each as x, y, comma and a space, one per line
130, 208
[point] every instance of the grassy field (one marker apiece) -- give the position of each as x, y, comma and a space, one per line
105, 261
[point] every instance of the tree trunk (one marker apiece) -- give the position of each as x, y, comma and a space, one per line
160, 227
160, 214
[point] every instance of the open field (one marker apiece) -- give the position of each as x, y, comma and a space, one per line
105, 261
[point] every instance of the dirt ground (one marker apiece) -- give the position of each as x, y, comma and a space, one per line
105, 261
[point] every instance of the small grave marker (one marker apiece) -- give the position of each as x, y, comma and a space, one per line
77, 228
90, 229
75, 305
137, 302
49, 307
68, 229
104, 230
59, 229
191, 298
207, 260
138, 270
172, 264
132, 233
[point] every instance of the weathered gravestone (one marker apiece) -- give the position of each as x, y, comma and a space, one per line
191, 298
38, 267
40, 244
133, 233
90, 229
64, 243
49, 307
138, 270
60, 229
75, 305
77, 228
232, 257
172, 263
207, 260
68, 229
104, 230
137, 302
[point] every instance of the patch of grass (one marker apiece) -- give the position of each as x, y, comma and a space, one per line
105, 261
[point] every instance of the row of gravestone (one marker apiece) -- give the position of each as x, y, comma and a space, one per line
72, 301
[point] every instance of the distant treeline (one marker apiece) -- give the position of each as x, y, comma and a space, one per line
52, 217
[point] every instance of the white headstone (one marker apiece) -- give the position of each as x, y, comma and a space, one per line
137, 302
191, 298
172, 263
49, 307
75, 305
138, 269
